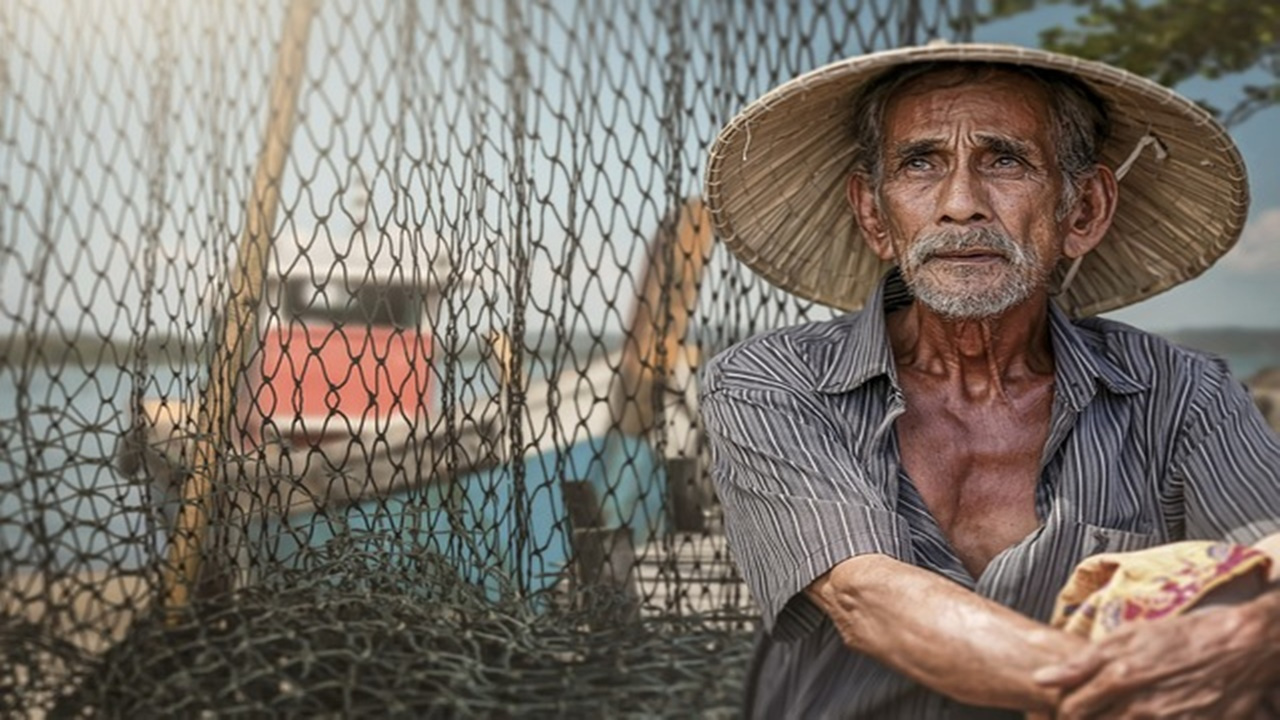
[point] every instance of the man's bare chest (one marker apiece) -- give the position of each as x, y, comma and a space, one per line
976, 469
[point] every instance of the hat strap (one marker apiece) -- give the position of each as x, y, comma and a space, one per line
1160, 152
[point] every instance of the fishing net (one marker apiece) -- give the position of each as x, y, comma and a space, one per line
350, 635
349, 350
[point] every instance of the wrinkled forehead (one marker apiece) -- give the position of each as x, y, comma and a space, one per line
932, 77
1000, 102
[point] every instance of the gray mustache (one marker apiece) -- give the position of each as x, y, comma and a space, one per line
935, 243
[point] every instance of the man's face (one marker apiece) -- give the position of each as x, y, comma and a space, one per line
970, 192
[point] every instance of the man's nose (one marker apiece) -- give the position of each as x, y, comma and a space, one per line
963, 198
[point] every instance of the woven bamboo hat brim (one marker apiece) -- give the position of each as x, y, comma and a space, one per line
777, 175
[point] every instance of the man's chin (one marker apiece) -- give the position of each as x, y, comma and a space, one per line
964, 282
969, 301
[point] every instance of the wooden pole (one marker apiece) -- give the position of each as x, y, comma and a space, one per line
239, 320
654, 340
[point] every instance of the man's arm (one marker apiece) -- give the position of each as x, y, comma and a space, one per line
941, 634
1216, 662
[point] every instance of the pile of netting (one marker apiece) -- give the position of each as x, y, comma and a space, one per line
354, 634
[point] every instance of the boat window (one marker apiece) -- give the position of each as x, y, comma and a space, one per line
395, 305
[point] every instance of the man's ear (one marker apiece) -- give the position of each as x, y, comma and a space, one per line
1089, 219
866, 208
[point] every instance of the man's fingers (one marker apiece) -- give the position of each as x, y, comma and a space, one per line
1249, 705
1102, 690
1126, 703
1086, 704
1071, 673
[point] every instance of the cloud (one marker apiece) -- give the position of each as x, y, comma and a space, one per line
1259, 248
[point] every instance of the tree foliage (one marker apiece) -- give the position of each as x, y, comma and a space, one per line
1174, 40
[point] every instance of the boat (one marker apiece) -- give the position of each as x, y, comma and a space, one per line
342, 380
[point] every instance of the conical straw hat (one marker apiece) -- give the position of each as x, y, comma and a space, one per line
777, 174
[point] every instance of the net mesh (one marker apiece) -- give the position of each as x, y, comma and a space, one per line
349, 350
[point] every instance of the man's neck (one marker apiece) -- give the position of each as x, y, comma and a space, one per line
984, 359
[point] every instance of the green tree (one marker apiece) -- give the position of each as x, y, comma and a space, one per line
1173, 40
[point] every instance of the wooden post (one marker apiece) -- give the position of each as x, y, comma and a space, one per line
239, 320
668, 296
604, 558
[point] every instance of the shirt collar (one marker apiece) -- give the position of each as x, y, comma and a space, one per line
863, 352
1082, 364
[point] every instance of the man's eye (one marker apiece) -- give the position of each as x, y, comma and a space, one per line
1007, 161
916, 163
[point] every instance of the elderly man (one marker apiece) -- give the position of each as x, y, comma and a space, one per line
908, 487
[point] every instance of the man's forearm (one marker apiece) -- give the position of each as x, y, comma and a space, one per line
941, 634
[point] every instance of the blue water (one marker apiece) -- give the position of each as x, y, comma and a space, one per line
510, 540
1245, 365
64, 505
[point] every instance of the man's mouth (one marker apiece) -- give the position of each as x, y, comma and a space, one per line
970, 256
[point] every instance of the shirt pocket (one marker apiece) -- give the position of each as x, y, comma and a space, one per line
1095, 539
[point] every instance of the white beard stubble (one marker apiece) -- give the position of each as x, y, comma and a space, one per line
980, 297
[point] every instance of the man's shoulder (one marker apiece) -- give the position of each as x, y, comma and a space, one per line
796, 356
1150, 358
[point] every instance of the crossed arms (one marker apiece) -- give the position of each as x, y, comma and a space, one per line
1214, 663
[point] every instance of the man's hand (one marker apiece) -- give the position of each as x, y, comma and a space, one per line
1215, 663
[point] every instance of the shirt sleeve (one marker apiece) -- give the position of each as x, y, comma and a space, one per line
1228, 460
796, 500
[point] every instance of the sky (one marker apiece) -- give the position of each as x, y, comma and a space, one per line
1243, 288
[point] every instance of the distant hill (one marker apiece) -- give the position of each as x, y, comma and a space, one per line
1229, 341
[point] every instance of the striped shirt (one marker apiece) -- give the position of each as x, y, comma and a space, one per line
1148, 443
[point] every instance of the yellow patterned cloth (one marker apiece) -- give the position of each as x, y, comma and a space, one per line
1111, 590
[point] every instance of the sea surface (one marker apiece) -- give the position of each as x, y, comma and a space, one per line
62, 503
1245, 365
